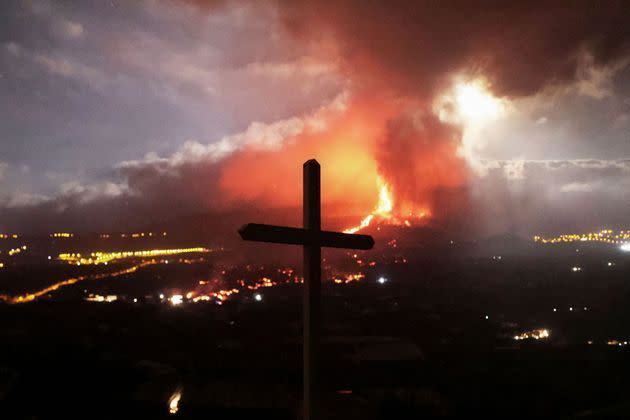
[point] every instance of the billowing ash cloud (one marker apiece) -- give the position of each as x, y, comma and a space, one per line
415, 46
413, 50
417, 155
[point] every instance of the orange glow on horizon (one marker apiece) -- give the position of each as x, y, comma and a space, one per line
344, 148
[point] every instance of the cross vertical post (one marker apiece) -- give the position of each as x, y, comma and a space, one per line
312, 288
312, 238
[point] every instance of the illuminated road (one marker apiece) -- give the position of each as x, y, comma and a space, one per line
32, 296
105, 257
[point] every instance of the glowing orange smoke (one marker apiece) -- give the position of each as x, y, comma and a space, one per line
384, 210
375, 140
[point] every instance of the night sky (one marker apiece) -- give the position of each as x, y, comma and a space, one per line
512, 118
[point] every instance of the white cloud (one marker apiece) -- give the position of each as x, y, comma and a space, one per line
580, 187
13, 48
71, 69
257, 136
596, 81
304, 66
25, 200
523, 168
83, 194
514, 169
70, 30
14, 192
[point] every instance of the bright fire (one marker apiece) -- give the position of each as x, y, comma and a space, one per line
173, 402
475, 103
470, 103
383, 210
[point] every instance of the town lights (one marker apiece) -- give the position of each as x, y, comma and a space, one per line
605, 236
104, 257
538, 334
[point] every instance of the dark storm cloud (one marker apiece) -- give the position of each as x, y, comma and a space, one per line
415, 48
414, 45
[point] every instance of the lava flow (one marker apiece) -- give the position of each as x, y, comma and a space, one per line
384, 210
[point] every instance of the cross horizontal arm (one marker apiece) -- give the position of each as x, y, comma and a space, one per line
298, 236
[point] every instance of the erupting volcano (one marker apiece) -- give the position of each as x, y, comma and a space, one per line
422, 156
383, 212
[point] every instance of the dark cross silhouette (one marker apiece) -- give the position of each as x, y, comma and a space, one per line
312, 237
